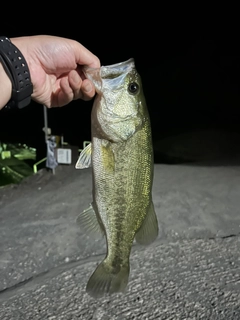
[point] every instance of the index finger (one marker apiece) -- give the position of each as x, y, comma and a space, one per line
86, 57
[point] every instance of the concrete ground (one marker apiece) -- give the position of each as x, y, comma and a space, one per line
192, 271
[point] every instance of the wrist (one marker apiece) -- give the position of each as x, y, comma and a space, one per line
16, 68
5, 87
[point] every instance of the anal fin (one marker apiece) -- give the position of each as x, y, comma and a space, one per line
148, 231
89, 222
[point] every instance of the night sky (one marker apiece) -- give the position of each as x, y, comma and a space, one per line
190, 73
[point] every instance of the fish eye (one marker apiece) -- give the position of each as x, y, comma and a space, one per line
133, 88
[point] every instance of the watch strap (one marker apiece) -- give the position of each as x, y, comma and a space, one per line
17, 70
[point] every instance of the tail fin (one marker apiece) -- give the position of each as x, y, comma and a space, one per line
104, 281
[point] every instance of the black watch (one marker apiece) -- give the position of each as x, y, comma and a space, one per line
17, 69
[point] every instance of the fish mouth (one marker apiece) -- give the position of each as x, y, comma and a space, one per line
114, 74
120, 66
110, 71
117, 68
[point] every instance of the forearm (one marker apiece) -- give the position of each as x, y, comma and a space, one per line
5, 87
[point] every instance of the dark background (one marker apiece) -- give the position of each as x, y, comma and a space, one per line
189, 65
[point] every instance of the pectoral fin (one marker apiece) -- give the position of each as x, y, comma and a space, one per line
85, 158
89, 222
148, 231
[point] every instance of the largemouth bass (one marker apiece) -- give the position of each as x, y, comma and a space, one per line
121, 157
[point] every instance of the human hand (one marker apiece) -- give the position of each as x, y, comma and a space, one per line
55, 66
